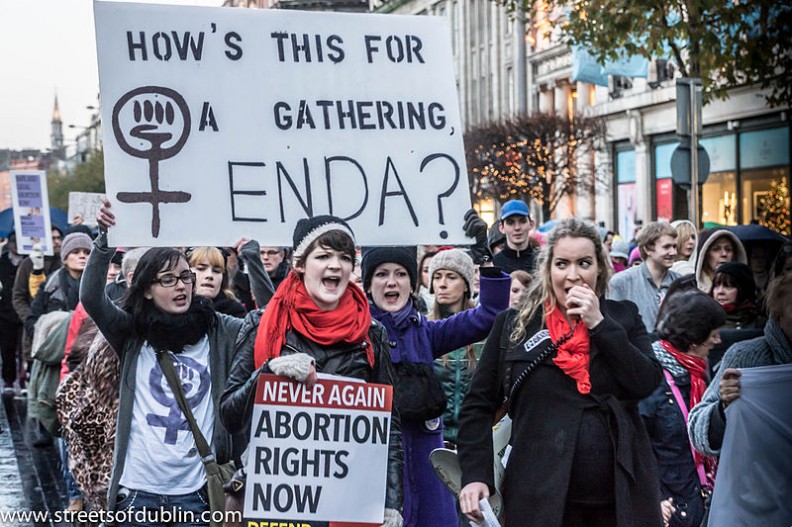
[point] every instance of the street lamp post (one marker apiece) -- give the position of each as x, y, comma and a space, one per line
689, 165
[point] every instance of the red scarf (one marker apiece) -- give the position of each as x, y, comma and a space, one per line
293, 308
574, 354
695, 366
698, 385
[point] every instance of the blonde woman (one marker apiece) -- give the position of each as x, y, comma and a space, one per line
573, 366
211, 279
687, 237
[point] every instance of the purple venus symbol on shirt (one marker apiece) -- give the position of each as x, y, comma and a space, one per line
195, 381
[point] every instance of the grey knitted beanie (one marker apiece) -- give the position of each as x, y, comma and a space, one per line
454, 260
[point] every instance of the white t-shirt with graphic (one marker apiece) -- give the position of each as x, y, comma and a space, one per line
162, 457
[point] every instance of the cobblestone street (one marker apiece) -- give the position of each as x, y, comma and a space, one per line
30, 477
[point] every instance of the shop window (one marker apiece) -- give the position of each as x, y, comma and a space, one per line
485, 207
764, 148
764, 160
626, 206
719, 199
722, 152
719, 193
756, 185
664, 194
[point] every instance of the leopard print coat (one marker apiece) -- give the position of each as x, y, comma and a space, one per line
87, 405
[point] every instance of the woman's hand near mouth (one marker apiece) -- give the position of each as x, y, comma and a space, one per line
583, 304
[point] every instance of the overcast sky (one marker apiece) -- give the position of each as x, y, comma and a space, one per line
49, 46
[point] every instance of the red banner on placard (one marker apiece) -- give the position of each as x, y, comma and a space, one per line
282, 391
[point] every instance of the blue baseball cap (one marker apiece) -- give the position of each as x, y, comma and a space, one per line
514, 207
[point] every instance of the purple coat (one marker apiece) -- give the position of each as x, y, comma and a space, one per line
413, 338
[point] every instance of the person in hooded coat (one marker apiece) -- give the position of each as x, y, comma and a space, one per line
715, 247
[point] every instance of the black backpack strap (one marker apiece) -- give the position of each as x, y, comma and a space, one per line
511, 388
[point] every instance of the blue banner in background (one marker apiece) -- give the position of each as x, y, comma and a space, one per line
586, 68
635, 66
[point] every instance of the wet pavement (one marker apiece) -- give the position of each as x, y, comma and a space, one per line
30, 477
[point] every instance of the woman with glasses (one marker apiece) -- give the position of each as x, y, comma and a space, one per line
155, 462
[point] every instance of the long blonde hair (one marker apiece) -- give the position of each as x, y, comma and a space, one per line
540, 290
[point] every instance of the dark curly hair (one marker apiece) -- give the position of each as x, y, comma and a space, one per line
688, 318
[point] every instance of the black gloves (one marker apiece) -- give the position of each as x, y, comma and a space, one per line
476, 228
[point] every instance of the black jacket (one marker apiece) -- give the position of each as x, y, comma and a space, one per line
60, 292
549, 415
281, 272
8, 272
669, 437
228, 306
236, 404
510, 260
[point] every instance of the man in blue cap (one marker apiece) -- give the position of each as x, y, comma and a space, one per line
515, 224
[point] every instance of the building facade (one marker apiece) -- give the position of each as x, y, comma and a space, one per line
504, 67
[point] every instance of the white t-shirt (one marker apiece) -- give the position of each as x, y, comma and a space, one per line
162, 457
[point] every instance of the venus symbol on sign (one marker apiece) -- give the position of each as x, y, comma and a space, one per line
152, 123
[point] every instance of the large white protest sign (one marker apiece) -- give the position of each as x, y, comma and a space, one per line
318, 454
30, 202
85, 205
226, 122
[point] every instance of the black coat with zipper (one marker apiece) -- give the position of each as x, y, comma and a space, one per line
349, 360
549, 414
510, 260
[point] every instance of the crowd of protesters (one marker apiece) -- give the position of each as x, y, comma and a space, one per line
599, 347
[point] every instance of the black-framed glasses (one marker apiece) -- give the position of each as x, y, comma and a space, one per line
169, 280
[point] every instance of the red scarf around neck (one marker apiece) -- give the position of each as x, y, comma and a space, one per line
293, 308
695, 366
574, 354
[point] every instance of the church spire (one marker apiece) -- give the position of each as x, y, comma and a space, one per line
56, 117
56, 137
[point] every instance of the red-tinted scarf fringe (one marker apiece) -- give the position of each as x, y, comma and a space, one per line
574, 354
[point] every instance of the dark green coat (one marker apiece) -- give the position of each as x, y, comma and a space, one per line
455, 373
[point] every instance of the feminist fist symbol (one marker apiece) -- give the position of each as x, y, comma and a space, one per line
155, 126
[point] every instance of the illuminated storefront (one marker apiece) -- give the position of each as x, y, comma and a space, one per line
744, 165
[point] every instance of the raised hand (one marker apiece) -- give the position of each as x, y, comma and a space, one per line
476, 228
104, 216
729, 387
